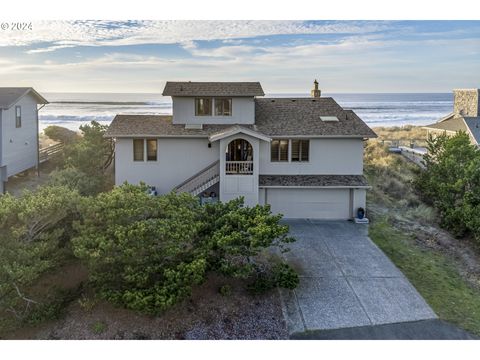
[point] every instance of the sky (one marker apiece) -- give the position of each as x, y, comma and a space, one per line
285, 56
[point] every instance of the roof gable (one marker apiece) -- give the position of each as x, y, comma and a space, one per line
10, 95
236, 129
188, 88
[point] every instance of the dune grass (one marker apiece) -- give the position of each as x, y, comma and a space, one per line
434, 276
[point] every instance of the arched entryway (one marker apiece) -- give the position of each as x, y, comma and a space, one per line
239, 158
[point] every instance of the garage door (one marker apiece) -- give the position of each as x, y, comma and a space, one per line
310, 203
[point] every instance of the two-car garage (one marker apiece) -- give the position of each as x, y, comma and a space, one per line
328, 197
310, 203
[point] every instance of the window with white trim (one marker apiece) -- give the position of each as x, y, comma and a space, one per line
18, 116
300, 150
279, 150
138, 149
223, 107
203, 107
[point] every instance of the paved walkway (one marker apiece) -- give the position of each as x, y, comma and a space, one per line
345, 280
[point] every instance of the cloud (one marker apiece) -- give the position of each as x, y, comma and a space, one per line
115, 33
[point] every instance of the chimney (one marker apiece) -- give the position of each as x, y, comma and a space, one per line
466, 102
316, 93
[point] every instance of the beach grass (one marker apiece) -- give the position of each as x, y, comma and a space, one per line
433, 274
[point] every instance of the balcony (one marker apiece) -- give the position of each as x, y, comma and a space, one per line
239, 167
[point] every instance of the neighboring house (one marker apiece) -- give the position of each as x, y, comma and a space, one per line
303, 156
465, 116
18, 131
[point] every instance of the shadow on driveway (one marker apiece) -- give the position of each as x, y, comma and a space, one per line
417, 330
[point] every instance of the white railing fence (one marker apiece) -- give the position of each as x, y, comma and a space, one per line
239, 167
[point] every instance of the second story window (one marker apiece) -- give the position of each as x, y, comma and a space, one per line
18, 116
279, 150
223, 107
203, 107
300, 150
138, 150
151, 149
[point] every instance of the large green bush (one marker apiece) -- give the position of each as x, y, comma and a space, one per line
147, 253
34, 233
451, 182
87, 159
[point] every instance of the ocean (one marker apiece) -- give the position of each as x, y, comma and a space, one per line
74, 109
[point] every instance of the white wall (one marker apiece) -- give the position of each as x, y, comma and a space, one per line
19, 145
233, 186
359, 200
177, 160
327, 157
243, 112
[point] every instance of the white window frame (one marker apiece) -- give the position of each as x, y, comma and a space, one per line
18, 118
289, 152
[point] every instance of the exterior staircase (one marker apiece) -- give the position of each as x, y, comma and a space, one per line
201, 181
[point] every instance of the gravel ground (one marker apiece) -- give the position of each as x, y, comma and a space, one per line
206, 315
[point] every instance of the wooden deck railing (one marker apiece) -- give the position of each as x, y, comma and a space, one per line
48, 152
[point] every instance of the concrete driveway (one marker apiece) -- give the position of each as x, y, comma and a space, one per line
345, 280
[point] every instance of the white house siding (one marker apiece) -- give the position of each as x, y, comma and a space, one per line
327, 157
177, 160
243, 112
20, 145
233, 186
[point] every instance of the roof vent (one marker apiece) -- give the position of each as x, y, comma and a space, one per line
272, 100
293, 100
194, 126
328, 118
313, 100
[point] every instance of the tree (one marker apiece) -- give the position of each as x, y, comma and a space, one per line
87, 161
34, 231
447, 178
147, 253
142, 251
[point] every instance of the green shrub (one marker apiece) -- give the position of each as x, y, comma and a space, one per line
61, 134
280, 275
147, 253
225, 290
451, 182
99, 327
75, 179
34, 234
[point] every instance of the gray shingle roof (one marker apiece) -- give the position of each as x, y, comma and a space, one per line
10, 95
187, 88
280, 117
453, 124
301, 116
158, 125
313, 180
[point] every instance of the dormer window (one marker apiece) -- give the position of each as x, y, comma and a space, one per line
203, 107
223, 107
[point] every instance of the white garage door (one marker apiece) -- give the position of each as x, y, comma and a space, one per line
310, 203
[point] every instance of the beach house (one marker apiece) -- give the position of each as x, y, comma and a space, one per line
18, 131
303, 156
464, 117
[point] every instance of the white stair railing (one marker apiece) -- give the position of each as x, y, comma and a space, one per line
201, 181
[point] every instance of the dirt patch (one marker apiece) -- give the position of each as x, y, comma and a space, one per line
206, 315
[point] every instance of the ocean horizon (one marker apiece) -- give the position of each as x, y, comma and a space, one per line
377, 109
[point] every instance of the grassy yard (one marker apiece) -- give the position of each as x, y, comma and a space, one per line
433, 275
